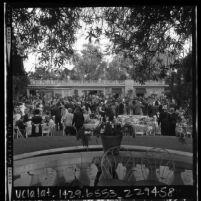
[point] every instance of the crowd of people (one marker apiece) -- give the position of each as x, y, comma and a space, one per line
71, 112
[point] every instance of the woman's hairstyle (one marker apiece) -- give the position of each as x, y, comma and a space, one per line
160, 107
70, 110
37, 111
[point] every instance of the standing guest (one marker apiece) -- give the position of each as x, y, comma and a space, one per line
36, 121
102, 111
145, 104
155, 108
127, 109
150, 110
163, 120
116, 112
173, 104
78, 121
22, 108
63, 110
130, 107
138, 108
121, 108
68, 121
172, 122
57, 113
114, 108
108, 112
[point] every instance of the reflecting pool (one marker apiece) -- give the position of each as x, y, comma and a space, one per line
129, 165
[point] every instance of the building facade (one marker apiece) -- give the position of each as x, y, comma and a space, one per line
65, 88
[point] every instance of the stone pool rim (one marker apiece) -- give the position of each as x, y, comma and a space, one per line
92, 148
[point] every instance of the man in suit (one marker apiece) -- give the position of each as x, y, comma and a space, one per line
163, 121
172, 122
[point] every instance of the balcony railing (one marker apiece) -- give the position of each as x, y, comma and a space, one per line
91, 83
76, 82
150, 83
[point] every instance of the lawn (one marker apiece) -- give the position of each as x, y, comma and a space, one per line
32, 144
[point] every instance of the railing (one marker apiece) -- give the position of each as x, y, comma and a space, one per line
150, 83
92, 83
76, 82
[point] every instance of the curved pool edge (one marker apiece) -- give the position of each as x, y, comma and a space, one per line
91, 148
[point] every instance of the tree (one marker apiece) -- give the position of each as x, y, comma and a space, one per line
48, 31
140, 32
19, 77
118, 68
180, 82
89, 65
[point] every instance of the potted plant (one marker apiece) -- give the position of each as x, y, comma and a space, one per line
111, 134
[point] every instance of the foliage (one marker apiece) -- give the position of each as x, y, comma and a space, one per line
19, 77
141, 33
89, 65
19, 85
180, 83
118, 68
47, 31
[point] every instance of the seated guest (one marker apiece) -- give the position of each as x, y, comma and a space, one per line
17, 115
20, 124
36, 124
47, 117
26, 116
22, 108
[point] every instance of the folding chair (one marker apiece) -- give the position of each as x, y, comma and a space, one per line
45, 129
17, 132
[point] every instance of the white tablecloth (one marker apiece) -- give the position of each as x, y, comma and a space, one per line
91, 126
141, 124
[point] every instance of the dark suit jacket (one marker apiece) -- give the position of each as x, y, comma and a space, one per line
163, 118
78, 119
37, 119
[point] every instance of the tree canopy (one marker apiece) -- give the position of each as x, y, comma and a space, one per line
140, 33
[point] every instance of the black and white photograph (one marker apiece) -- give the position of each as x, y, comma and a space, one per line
101, 97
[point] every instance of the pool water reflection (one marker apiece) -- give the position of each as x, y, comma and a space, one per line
94, 168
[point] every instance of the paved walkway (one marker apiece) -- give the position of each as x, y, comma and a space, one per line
43, 143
